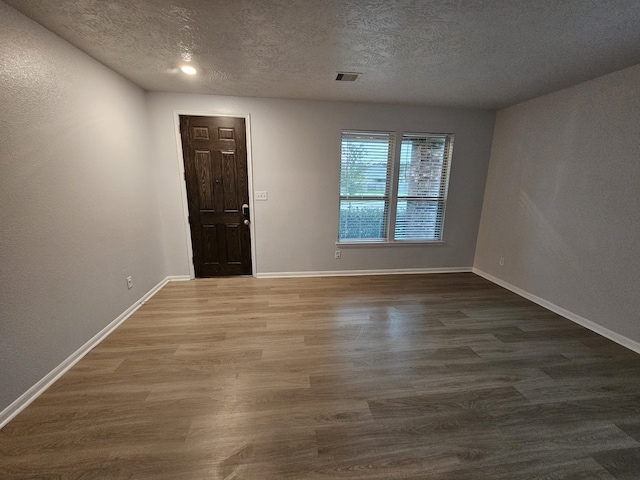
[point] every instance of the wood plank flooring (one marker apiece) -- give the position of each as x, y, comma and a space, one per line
386, 377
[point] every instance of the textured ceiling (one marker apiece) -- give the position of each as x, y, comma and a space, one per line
473, 53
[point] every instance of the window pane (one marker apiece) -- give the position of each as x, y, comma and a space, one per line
364, 164
363, 220
421, 162
418, 220
422, 186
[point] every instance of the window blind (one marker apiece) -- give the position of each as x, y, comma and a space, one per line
374, 181
365, 178
422, 186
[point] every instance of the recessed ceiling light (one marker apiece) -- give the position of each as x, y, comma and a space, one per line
188, 69
347, 76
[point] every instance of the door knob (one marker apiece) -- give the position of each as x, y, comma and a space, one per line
245, 214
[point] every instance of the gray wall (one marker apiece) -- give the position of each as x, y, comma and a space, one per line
78, 201
562, 201
296, 151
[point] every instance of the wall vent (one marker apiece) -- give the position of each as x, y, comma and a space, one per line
347, 76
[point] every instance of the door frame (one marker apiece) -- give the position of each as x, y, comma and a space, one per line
183, 183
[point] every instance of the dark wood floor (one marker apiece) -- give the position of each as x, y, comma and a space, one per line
389, 377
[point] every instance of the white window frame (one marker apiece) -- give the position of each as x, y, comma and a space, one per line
394, 172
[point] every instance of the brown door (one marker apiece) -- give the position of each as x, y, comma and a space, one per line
215, 165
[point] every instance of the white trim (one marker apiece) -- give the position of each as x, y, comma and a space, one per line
388, 243
593, 326
352, 273
38, 389
252, 202
183, 193
183, 183
178, 278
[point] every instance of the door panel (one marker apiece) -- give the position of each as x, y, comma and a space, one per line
204, 168
215, 158
230, 190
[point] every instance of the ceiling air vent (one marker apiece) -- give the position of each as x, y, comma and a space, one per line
347, 76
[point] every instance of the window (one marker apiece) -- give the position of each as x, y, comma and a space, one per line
365, 171
393, 196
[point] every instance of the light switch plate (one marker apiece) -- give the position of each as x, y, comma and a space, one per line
262, 195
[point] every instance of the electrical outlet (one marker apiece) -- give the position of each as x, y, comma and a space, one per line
262, 195
501, 261
338, 254
129, 282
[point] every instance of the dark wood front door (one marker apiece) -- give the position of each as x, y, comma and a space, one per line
215, 164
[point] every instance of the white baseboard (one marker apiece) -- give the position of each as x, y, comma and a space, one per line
352, 273
599, 329
36, 390
177, 278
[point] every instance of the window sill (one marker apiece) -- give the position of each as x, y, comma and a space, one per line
408, 243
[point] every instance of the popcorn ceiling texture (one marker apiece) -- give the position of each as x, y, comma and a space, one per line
483, 54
